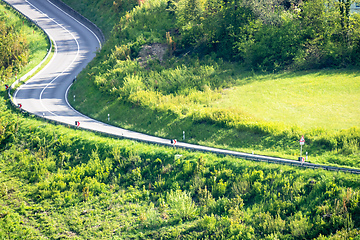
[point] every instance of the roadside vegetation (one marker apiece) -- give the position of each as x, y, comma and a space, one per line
242, 75
62, 183
22, 45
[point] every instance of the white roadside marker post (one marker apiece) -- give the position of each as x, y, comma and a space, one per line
302, 142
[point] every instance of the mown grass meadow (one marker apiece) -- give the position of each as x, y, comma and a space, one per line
319, 99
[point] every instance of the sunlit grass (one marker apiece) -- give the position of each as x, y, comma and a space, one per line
328, 99
36, 39
301, 101
223, 104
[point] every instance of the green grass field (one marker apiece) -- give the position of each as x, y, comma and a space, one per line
327, 99
62, 183
162, 118
216, 102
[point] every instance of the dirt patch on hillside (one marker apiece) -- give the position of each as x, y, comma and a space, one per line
152, 52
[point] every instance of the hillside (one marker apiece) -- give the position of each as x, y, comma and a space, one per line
164, 71
62, 183
22, 46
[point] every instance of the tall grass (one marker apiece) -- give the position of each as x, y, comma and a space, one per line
235, 117
111, 11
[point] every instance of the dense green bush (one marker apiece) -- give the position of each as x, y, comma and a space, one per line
14, 49
22, 44
113, 10
271, 35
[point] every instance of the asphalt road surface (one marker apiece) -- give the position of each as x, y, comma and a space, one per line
45, 94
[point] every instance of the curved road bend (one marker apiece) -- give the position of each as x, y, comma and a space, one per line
45, 94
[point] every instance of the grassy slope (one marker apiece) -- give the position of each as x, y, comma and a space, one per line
38, 43
169, 125
105, 14
284, 106
59, 183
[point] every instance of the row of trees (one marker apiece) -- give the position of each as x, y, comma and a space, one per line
271, 35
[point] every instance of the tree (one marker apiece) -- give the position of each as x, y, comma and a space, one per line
344, 10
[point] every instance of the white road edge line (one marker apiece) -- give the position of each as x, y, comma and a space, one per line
55, 53
77, 22
77, 54
222, 151
67, 90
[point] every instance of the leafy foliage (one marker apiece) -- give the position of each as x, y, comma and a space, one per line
22, 44
14, 48
270, 35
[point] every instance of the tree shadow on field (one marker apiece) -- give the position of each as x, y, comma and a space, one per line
349, 72
169, 125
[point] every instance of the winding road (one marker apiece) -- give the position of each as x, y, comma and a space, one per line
45, 94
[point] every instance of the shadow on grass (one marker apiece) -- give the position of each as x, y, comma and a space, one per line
351, 71
169, 125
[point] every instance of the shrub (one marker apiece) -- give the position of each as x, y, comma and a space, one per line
181, 205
